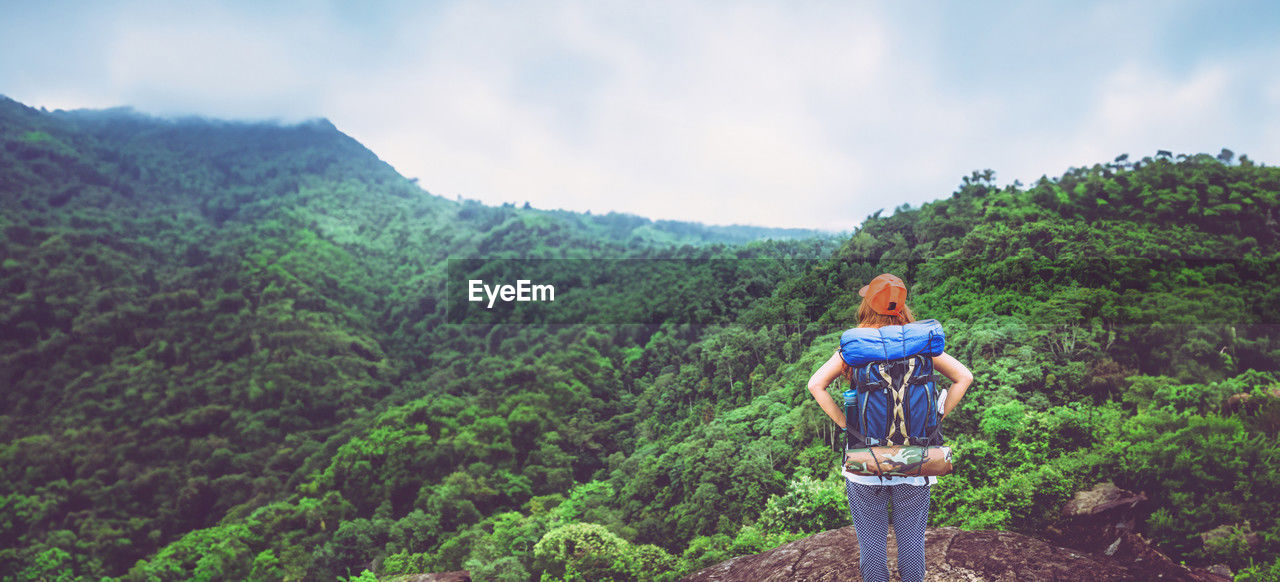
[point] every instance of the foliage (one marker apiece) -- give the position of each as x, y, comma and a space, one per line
809, 506
586, 552
228, 356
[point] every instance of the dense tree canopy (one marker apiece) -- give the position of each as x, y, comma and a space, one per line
228, 355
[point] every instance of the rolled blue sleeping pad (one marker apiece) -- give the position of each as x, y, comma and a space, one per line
862, 345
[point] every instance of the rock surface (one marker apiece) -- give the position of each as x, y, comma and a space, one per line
1100, 521
1103, 498
953, 555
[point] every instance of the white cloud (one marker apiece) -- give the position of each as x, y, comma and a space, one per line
799, 114
207, 59
1138, 110
726, 122
1138, 106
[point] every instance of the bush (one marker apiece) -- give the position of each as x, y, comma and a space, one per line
589, 552
1265, 572
809, 506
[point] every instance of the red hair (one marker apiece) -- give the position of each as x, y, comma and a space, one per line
867, 317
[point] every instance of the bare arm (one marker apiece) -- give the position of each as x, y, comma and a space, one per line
958, 374
818, 387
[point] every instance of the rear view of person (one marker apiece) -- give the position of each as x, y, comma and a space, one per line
870, 497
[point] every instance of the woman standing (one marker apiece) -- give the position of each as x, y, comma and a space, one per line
884, 303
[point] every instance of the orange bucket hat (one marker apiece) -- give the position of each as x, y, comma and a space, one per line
886, 294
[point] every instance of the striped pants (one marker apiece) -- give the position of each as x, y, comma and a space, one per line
869, 506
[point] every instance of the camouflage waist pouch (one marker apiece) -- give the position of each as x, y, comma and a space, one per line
899, 461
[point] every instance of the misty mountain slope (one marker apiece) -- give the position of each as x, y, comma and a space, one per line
199, 314
229, 358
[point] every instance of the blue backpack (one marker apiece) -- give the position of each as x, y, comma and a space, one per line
892, 400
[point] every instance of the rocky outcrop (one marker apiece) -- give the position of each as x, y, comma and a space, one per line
1241, 533
953, 555
1095, 541
1101, 521
1104, 502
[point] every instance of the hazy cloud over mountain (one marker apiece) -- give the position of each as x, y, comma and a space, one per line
813, 114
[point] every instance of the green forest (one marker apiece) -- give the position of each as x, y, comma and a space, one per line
226, 354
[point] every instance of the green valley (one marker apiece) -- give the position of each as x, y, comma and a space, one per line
227, 354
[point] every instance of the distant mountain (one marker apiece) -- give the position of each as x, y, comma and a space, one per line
199, 313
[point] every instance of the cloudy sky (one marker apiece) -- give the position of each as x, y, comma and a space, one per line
806, 114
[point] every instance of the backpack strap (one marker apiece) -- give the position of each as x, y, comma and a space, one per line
922, 380
866, 381
854, 424
855, 436
929, 440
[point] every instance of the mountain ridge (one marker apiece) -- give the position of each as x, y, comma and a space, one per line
200, 314
126, 122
